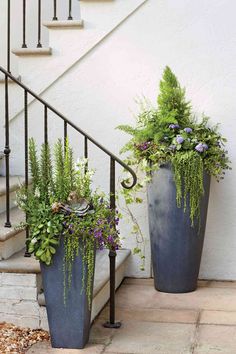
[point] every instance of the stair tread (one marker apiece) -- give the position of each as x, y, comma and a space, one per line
15, 182
64, 24
102, 273
2, 79
31, 51
17, 216
20, 264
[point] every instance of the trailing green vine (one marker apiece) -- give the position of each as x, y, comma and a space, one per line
188, 176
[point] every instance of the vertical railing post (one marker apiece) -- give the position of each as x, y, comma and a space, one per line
24, 45
9, 36
54, 10
65, 134
7, 154
39, 45
27, 254
45, 125
86, 152
70, 11
112, 254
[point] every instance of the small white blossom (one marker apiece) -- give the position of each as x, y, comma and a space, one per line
37, 193
34, 241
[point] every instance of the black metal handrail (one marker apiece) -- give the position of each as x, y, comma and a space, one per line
68, 122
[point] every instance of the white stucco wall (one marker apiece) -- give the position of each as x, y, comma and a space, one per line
197, 40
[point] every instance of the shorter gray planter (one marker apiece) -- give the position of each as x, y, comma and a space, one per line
69, 323
176, 246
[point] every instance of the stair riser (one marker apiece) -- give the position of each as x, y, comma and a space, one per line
3, 201
12, 245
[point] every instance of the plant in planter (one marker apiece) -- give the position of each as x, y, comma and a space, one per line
179, 154
67, 222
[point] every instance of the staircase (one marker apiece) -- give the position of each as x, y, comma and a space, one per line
21, 294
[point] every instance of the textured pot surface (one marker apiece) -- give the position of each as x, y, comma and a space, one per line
69, 323
176, 246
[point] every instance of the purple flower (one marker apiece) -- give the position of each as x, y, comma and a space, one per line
174, 126
201, 147
117, 221
144, 146
188, 130
97, 233
110, 239
179, 139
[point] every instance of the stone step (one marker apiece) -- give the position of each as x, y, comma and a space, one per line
20, 281
12, 240
76, 24
15, 182
35, 52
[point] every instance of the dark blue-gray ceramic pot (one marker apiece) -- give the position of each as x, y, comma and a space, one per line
69, 323
176, 246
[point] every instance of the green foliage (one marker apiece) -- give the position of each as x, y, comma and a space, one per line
52, 205
188, 175
169, 134
172, 105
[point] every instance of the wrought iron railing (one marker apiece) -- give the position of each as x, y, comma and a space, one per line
27, 92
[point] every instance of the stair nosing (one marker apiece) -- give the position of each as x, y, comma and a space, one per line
2, 81
13, 231
64, 24
33, 267
13, 187
21, 52
41, 298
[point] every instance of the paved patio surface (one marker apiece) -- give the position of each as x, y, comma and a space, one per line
202, 322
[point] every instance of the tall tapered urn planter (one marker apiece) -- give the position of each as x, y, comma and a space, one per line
69, 314
176, 246
67, 221
179, 153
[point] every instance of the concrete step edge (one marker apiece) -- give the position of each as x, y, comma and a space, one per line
67, 24
23, 52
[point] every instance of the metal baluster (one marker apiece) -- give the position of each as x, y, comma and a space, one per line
70, 10
9, 36
65, 134
27, 254
7, 154
112, 254
45, 125
24, 24
39, 45
86, 152
55, 11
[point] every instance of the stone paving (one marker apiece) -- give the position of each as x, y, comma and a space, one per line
202, 322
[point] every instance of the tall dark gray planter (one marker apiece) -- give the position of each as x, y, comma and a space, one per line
69, 323
176, 246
